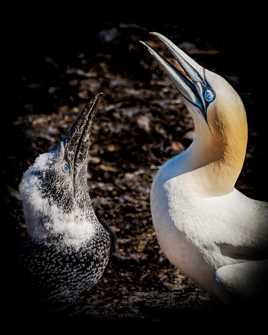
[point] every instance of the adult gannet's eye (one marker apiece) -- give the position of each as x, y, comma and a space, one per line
66, 167
209, 95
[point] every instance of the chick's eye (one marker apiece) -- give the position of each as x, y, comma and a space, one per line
66, 167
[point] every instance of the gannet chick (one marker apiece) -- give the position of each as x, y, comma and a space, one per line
207, 228
69, 248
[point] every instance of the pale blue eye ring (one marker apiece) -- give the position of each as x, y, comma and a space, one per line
66, 167
209, 95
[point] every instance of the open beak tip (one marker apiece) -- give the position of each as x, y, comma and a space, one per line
154, 33
143, 43
147, 46
161, 37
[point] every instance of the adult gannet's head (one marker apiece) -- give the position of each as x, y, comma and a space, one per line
54, 189
217, 110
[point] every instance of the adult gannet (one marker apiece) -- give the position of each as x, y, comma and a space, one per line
69, 248
211, 231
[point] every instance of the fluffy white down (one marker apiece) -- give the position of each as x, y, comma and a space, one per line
44, 219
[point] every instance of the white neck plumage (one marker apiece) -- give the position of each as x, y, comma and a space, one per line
218, 151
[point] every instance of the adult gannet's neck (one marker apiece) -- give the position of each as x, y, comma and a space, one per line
217, 153
216, 157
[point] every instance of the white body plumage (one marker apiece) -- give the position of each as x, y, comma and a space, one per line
194, 229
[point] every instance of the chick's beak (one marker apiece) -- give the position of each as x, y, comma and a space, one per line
78, 140
187, 75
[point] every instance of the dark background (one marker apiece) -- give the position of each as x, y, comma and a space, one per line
239, 32
39, 38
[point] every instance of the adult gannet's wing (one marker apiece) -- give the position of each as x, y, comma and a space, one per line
238, 226
243, 253
246, 237
244, 281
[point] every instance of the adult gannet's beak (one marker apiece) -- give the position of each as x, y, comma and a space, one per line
188, 76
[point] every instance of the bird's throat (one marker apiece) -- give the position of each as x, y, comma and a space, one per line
217, 155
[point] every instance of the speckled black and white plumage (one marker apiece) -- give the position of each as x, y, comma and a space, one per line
68, 248
62, 273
